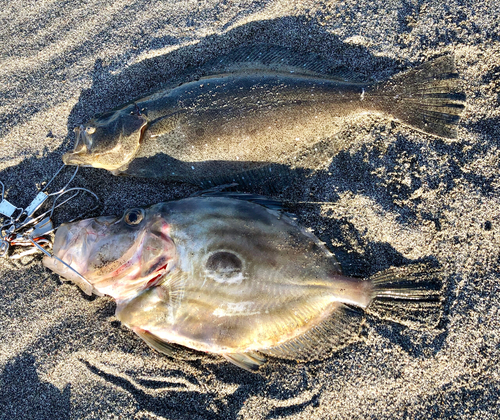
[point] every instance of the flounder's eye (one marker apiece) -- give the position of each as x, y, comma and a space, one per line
90, 130
133, 217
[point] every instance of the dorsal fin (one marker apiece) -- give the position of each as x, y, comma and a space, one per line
263, 58
275, 206
273, 58
335, 332
267, 202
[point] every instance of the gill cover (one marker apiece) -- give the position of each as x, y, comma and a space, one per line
108, 141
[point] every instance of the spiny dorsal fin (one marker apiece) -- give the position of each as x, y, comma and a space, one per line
263, 201
275, 206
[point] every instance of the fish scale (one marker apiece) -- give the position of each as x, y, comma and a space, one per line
259, 114
242, 280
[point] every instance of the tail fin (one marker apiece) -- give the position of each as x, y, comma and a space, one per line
410, 295
427, 97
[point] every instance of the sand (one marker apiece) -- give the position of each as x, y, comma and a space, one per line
394, 197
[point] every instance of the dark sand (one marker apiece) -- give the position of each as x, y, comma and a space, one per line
396, 196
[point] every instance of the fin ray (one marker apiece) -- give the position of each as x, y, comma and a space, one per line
332, 334
156, 343
274, 58
427, 97
250, 361
410, 295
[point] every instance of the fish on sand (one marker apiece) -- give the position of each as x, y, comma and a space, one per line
258, 107
234, 275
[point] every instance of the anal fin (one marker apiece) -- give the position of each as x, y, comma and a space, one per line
332, 334
261, 177
250, 361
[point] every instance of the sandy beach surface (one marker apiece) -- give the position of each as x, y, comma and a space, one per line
392, 197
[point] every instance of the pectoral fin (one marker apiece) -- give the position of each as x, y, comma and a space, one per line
163, 125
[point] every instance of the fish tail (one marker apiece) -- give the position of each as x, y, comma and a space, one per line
410, 295
428, 97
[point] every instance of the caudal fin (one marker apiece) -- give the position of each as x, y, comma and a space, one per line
410, 295
427, 97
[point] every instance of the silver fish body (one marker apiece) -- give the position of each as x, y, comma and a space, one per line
246, 119
226, 276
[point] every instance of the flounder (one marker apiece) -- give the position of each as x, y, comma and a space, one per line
257, 108
236, 276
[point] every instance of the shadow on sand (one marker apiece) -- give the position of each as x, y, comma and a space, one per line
369, 171
24, 395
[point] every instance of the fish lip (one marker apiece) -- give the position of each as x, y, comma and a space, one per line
81, 139
70, 158
65, 238
82, 147
61, 253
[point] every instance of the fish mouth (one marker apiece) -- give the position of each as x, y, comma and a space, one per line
103, 259
81, 149
72, 244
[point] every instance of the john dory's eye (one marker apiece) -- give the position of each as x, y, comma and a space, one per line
134, 216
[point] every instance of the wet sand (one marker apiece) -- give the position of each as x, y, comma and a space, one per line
394, 196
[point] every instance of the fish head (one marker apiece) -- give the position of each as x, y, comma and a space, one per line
108, 141
117, 256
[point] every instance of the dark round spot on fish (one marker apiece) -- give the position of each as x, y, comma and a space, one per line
225, 264
200, 131
487, 225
